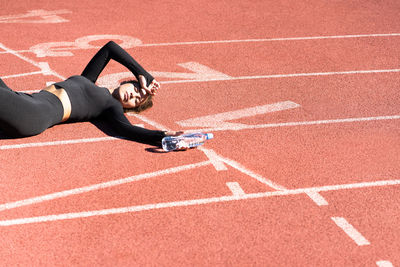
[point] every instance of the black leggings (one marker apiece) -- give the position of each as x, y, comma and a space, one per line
24, 115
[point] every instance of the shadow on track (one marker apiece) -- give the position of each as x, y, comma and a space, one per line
105, 128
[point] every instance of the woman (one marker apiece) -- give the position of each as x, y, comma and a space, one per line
79, 99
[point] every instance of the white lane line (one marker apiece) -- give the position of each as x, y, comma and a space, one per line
273, 76
217, 160
192, 202
349, 36
351, 186
241, 168
43, 66
317, 198
59, 49
258, 126
34, 13
214, 159
56, 143
235, 188
85, 189
260, 77
277, 39
150, 122
252, 174
15, 53
298, 123
384, 264
351, 231
200, 71
22, 74
65, 142
210, 154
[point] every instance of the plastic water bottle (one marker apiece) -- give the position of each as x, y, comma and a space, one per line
185, 141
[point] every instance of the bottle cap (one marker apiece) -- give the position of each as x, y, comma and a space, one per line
210, 136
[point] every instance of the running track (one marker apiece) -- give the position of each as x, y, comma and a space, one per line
303, 99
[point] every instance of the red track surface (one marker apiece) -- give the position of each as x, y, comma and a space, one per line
342, 148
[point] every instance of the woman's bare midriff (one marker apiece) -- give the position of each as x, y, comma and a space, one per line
63, 96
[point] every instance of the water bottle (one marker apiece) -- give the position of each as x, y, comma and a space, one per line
185, 141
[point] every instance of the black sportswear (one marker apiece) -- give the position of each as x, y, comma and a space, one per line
26, 115
88, 101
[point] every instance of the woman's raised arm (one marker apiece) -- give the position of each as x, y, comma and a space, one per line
113, 51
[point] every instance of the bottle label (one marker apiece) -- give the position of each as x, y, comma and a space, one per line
186, 144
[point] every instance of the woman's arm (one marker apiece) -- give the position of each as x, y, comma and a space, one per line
117, 120
113, 51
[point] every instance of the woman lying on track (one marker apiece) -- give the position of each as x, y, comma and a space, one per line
79, 99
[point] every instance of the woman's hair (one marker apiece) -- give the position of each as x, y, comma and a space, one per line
148, 103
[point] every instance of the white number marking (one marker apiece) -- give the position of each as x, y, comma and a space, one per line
43, 17
219, 120
52, 49
200, 72
384, 264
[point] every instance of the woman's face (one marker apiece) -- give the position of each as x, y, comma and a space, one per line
130, 96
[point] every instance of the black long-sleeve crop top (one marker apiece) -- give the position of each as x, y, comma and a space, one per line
89, 101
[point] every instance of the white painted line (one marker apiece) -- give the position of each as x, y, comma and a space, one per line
220, 119
22, 74
56, 49
286, 76
34, 13
40, 65
44, 66
317, 198
252, 174
235, 188
277, 39
192, 202
150, 122
214, 159
47, 84
384, 264
352, 186
197, 72
299, 123
244, 77
204, 71
239, 41
94, 187
76, 141
217, 160
350, 231
57, 143
210, 154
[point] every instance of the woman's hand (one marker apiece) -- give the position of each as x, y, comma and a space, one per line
173, 133
152, 88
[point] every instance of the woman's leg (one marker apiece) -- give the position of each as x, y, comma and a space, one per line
4, 85
21, 114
